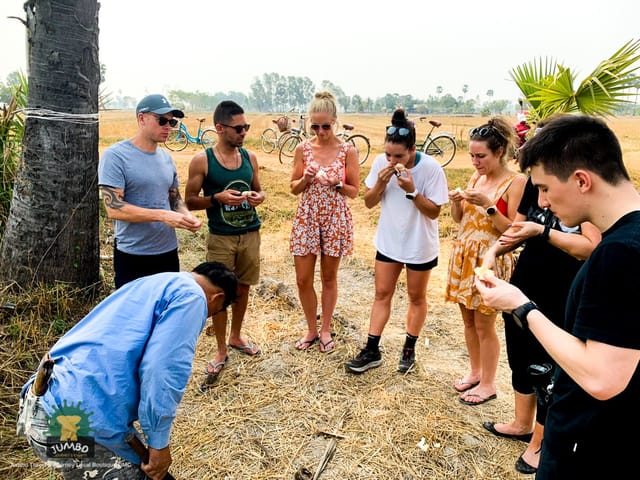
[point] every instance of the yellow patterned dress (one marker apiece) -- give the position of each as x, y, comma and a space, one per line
475, 237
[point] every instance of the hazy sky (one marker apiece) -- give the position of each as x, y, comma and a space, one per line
366, 48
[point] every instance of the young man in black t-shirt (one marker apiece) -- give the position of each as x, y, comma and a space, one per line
576, 164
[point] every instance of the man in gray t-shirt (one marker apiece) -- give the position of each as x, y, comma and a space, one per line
139, 185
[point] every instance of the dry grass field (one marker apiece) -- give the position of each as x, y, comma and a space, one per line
271, 415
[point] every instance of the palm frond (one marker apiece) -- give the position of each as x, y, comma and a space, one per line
548, 86
608, 85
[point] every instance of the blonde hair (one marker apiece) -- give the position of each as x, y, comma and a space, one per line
324, 102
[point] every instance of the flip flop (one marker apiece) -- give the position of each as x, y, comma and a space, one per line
327, 347
247, 349
475, 395
303, 345
213, 372
465, 385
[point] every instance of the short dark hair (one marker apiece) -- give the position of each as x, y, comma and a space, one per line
400, 120
221, 276
225, 110
572, 142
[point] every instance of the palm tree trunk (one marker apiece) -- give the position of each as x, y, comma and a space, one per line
52, 231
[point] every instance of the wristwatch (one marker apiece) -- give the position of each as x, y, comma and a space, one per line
412, 195
491, 210
338, 186
520, 314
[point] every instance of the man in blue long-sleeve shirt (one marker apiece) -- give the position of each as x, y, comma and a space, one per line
129, 359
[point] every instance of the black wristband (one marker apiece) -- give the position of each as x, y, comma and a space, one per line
545, 232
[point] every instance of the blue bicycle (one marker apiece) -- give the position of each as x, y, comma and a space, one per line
179, 137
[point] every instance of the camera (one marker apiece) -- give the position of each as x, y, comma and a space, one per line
542, 379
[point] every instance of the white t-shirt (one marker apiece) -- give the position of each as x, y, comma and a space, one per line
404, 234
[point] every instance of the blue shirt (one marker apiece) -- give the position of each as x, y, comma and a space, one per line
146, 179
129, 359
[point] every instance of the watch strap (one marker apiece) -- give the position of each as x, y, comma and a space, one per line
520, 313
412, 195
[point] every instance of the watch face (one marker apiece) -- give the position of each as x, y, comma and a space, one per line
491, 210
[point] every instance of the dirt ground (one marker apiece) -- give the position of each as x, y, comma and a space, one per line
272, 415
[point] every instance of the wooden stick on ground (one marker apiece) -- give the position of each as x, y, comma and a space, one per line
331, 448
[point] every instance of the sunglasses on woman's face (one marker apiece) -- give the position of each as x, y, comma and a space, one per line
403, 132
325, 126
162, 121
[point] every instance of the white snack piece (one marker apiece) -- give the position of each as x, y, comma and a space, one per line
483, 272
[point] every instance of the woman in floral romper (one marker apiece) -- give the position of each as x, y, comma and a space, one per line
325, 171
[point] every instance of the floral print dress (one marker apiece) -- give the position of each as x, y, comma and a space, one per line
323, 221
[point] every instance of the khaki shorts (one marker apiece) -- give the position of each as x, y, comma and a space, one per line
240, 253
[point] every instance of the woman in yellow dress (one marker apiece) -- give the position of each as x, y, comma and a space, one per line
484, 210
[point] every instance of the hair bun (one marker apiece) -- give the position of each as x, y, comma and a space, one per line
399, 118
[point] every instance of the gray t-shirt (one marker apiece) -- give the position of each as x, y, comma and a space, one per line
146, 179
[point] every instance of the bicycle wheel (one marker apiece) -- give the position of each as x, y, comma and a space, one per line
176, 141
283, 138
362, 146
442, 148
288, 148
269, 140
208, 138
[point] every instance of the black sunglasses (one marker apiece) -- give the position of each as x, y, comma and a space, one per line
325, 126
484, 131
162, 121
403, 132
238, 128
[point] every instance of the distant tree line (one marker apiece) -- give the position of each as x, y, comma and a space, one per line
277, 93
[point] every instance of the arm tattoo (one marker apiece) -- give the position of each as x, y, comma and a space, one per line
112, 199
175, 200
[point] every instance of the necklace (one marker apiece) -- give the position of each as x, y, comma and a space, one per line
225, 163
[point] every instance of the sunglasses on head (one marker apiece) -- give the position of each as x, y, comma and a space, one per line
402, 131
484, 131
162, 121
238, 128
325, 126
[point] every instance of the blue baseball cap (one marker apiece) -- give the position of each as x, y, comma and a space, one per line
157, 104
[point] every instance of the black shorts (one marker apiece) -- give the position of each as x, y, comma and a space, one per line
128, 267
418, 267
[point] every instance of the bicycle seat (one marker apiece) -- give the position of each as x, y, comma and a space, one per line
348, 126
435, 123
201, 120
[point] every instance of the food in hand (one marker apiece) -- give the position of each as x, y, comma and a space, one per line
322, 175
399, 168
459, 190
483, 272
246, 193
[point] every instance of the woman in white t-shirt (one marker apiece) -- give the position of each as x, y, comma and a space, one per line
410, 187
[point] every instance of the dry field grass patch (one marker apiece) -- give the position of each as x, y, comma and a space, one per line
269, 416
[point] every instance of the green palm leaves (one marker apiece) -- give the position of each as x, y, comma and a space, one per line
548, 86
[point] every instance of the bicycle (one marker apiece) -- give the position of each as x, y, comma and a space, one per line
288, 146
359, 141
442, 146
272, 139
179, 137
